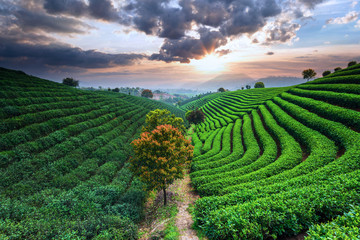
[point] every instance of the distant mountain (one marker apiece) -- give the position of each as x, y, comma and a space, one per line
280, 81
227, 81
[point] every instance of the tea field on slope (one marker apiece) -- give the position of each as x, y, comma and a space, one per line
272, 163
63, 160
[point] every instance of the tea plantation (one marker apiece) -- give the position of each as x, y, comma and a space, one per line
63, 160
273, 163
268, 163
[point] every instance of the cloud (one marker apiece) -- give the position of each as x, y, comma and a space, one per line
25, 19
270, 53
190, 28
357, 24
280, 31
311, 3
61, 55
223, 52
31, 21
354, 3
186, 48
98, 9
350, 17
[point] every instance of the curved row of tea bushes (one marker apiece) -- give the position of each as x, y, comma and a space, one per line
345, 116
236, 153
252, 152
313, 177
295, 178
82, 147
341, 88
343, 227
215, 147
263, 167
18, 122
224, 152
11, 111
346, 100
284, 213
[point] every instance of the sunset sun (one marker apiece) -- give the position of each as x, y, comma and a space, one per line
210, 63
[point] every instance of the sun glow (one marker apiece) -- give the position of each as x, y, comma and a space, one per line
210, 63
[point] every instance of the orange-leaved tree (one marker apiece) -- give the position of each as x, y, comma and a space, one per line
161, 157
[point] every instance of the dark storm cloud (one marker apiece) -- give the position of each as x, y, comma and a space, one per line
190, 28
70, 7
187, 48
61, 55
227, 19
154, 17
98, 9
28, 20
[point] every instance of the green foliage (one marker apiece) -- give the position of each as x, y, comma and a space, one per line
325, 73
196, 116
298, 148
159, 117
259, 85
64, 171
337, 69
221, 89
308, 74
344, 227
70, 82
161, 156
248, 86
352, 63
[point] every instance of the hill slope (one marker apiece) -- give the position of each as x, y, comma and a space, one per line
63, 160
289, 161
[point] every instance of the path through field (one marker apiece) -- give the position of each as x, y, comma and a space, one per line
183, 219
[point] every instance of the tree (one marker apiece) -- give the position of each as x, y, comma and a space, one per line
308, 74
116, 89
259, 85
352, 63
196, 116
325, 73
248, 86
147, 93
221, 89
70, 82
337, 69
242, 88
161, 157
161, 117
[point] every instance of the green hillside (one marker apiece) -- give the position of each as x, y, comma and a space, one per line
271, 163
63, 160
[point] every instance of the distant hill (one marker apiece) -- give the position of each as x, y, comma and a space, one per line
227, 81
280, 81
236, 81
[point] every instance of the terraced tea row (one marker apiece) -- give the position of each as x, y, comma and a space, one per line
230, 106
63, 160
294, 161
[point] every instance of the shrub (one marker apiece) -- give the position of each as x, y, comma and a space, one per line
352, 63
325, 73
259, 85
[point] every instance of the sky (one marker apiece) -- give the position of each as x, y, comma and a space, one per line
176, 43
